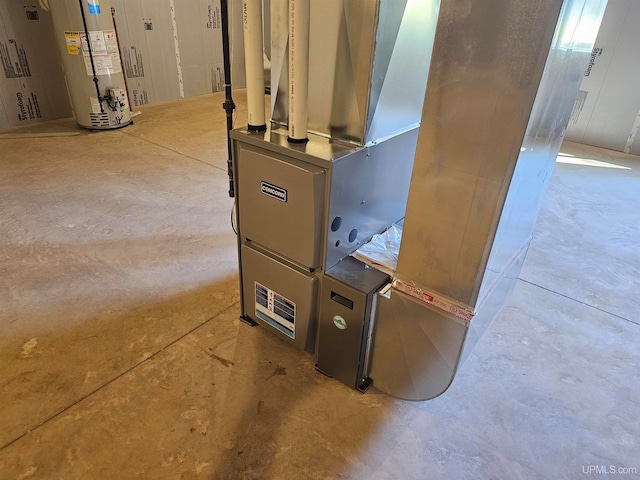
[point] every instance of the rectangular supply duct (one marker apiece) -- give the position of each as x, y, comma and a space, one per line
368, 65
503, 81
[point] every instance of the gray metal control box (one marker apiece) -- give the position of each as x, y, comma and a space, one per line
347, 293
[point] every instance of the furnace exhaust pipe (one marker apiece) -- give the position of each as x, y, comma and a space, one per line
254, 63
298, 69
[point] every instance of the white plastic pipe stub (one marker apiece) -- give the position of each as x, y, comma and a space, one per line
254, 64
298, 69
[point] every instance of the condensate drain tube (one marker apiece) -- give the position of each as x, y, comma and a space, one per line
298, 69
254, 63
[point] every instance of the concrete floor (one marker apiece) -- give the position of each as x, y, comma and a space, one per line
122, 356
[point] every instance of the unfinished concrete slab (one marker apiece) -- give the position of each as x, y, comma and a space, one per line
586, 242
122, 355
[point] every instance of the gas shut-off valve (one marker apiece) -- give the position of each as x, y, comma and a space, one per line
118, 98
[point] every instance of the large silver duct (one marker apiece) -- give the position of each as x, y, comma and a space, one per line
503, 80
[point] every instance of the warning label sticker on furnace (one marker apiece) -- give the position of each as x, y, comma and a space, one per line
276, 310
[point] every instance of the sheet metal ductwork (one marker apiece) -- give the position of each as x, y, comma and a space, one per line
467, 183
368, 66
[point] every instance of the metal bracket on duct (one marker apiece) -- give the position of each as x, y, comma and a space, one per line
499, 97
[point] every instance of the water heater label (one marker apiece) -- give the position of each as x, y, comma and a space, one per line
72, 40
273, 191
276, 310
104, 50
95, 104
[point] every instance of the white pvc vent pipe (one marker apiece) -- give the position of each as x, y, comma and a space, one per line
298, 69
254, 63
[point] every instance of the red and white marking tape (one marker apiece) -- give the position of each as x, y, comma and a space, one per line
440, 302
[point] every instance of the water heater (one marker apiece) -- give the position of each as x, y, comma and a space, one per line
88, 45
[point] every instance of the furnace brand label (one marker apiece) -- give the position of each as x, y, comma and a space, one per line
273, 191
276, 310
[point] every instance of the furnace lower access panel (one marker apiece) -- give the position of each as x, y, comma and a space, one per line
280, 296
